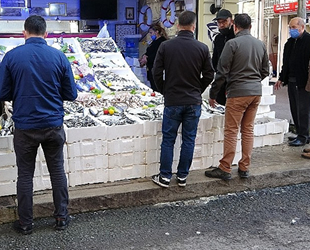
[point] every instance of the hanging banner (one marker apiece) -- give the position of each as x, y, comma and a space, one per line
288, 7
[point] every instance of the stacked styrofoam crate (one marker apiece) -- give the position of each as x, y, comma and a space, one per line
8, 170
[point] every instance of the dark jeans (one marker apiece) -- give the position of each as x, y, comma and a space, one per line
26, 143
300, 109
188, 115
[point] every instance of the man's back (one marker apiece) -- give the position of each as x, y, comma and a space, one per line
183, 59
39, 78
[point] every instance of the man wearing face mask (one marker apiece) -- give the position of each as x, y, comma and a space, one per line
294, 74
225, 26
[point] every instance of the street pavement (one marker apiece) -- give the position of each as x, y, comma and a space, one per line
272, 166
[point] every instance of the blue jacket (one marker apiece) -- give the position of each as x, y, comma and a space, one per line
37, 78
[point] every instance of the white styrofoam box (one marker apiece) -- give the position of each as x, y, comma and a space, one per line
40, 169
259, 129
130, 131
118, 147
263, 109
198, 151
258, 141
151, 169
7, 188
114, 161
139, 158
115, 174
87, 133
152, 156
205, 123
268, 100
274, 139
207, 161
218, 121
41, 183
74, 150
218, 134
199, 138
271, 114
7, 158
98, 175
8, 174
265, 82
88, 162
218, 147
197, 164
6, 142
151, 127
237, 158
216, 159
139, 144
267, 90
207, 149
152, 143
127, 159
208, 137
137, 171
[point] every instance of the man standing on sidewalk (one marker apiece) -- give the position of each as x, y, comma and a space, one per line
244, 64
38, 78
188, 70
294, 74
226, 29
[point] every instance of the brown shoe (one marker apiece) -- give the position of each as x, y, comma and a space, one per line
306, 155
306, 150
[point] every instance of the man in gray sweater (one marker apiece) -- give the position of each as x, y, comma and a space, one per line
244, 64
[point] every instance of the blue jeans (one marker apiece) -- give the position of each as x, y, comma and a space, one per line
26, 143
189, 116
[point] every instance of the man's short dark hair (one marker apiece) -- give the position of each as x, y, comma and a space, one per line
35, 25
242, 21
187, 18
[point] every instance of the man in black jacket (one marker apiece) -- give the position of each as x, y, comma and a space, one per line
225, 26
188, 71
294, 74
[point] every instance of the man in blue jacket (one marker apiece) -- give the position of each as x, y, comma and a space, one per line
38, 78
188, 71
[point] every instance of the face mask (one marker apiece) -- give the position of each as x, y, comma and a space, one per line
153, 37
225, 31
294, 33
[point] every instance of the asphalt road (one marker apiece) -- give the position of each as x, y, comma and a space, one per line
269, 219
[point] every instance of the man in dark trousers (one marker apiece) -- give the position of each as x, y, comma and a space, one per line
38, 78
225, 26
188, 71
294, 74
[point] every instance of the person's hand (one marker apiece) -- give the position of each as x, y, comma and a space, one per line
212, 103
278, 85
143, 60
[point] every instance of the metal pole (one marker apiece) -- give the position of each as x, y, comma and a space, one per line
301, 11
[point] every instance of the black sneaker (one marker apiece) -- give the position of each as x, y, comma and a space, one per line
24, 229
161, 181
181, 181
62, 223
218, 173
243, 174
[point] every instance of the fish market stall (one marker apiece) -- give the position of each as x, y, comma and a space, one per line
113, 128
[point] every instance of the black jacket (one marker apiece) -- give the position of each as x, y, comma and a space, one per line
152, 50
219, 43
298, 51
186, 65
